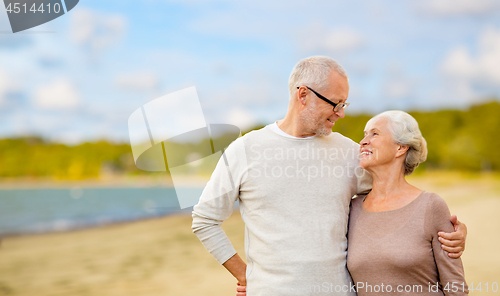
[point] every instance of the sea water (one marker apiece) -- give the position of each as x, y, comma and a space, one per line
46, 210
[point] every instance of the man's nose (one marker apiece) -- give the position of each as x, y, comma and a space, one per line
340, 113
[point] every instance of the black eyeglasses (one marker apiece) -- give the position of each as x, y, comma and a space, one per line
336, 107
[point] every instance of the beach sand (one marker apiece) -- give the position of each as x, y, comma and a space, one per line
149, 257
163, 257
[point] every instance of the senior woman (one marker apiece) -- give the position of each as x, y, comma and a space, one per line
393, 245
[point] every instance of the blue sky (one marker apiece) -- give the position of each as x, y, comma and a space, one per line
79, 77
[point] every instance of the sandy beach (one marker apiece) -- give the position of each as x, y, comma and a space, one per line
149, 257
163, 257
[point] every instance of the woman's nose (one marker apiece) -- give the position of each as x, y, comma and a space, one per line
364, 141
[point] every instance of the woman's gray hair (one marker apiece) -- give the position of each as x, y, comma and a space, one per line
314, 72
404, 130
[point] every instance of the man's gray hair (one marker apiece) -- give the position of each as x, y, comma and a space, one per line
314, 72
404, 130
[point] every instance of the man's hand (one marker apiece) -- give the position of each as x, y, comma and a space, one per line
454, 243
237, 267
241, 290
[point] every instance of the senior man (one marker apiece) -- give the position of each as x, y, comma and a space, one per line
294, 180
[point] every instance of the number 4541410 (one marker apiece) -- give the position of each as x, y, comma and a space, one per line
493, 287
23, 8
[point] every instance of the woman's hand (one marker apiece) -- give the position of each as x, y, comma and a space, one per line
454, 243
241, 290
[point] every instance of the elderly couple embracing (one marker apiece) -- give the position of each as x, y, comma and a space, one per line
305, 234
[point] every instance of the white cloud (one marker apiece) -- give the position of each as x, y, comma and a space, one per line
6, 85
469, 77
138, 81
45, 122
343, 40
480, 69
458, 63
192, 2
60, 94
398, 89
459, 7
457, 95
398, 84
95, 30
71, 137
241, 118
15, 41
338, 40
259, 19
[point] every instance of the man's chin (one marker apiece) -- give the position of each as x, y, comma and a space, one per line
323, 132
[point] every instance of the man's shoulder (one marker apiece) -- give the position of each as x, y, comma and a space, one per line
342, 140
258, 134
249, 138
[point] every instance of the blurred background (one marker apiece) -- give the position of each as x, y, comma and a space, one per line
78, 218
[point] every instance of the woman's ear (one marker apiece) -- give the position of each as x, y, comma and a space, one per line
402, 150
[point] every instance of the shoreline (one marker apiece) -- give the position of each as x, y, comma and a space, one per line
94, 226
163, 181
457, 186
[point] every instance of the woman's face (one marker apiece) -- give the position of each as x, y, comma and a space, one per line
377, 147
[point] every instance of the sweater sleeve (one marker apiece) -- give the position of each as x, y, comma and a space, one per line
364, 181
451, 271
217, 203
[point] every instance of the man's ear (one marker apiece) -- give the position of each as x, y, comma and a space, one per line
301, 95
402, 150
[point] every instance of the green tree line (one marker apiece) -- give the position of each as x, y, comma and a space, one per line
457, 139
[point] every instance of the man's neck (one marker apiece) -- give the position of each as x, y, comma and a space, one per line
293, 127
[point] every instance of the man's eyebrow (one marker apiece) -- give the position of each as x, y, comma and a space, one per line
338, 101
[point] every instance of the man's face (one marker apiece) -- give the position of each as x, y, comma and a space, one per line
317, 116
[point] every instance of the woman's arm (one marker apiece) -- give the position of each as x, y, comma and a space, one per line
450, 270
454, 242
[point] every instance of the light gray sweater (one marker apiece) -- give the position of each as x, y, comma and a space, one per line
294, 200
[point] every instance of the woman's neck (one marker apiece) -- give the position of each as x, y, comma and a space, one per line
388, 182
390, 190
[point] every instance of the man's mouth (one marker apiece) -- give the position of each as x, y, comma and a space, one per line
366, 152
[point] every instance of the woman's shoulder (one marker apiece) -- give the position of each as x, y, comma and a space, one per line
358, 200
355, 209
435, 202
437, 214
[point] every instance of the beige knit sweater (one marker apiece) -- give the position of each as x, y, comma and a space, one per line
397, 252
